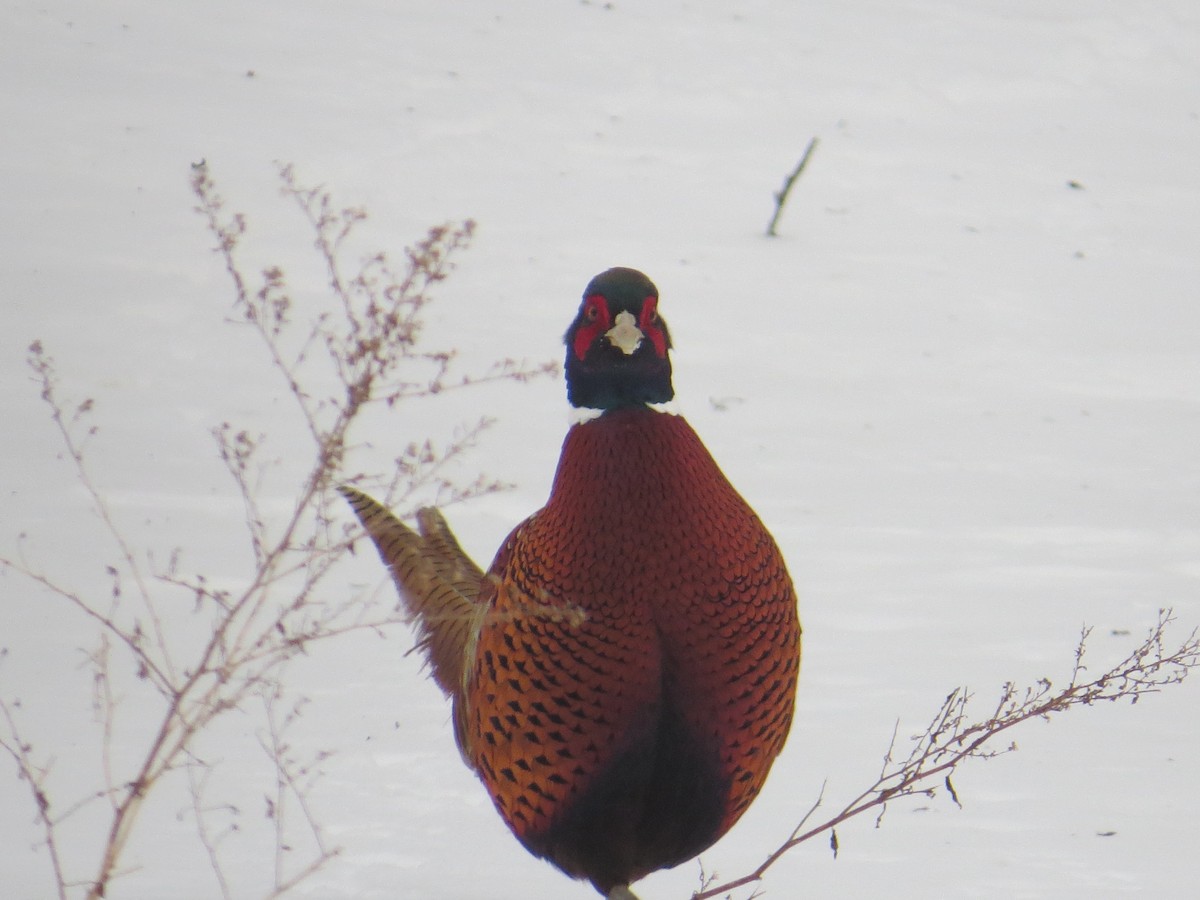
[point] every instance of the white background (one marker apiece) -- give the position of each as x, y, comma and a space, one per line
963, 392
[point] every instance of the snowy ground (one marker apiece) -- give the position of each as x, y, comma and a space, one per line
963, 386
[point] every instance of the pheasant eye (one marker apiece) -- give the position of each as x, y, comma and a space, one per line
594, 320
652, 326
596, 308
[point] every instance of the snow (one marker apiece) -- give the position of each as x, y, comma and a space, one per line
962, 387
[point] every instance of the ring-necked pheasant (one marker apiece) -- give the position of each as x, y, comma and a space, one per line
624, 674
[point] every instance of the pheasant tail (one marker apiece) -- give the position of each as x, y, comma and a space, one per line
438, 584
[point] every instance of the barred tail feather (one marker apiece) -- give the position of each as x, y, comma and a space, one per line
437, 581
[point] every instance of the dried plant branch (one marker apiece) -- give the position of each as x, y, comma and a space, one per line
952, 737
34, 775
292, 784
366, 348
781, 196
74, 444
198, 774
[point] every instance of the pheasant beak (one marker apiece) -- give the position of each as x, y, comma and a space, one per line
625, 335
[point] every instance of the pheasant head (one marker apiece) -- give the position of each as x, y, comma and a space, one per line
617, 347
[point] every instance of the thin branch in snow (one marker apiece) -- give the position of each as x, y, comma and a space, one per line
952, 736
189, 671
781, 196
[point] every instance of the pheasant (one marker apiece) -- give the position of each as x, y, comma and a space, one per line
624, 674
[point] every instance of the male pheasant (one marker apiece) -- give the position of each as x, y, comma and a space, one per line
625, 673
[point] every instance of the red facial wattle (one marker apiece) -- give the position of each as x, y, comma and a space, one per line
651, 327
596, 321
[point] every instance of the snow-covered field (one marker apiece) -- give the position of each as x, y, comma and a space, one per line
962, 387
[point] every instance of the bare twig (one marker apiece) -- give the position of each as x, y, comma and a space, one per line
781, 195
199, 774
952, 738
292, 783
188, 677
34, 775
